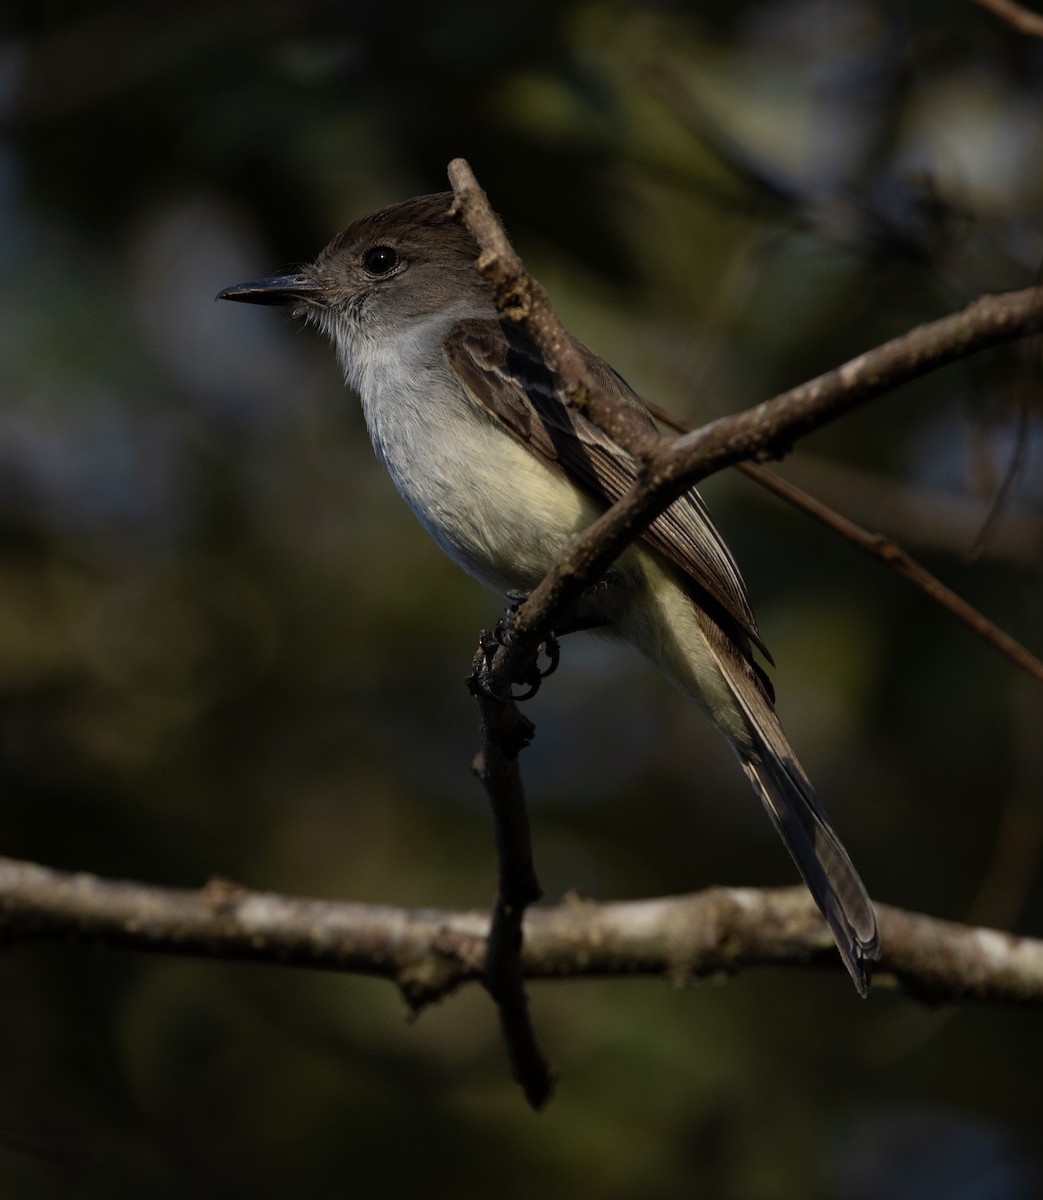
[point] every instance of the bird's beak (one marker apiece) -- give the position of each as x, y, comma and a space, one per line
278, 289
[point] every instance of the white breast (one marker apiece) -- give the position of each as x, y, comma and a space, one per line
491, 504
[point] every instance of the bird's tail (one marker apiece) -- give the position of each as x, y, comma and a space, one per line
821, 860
796, 813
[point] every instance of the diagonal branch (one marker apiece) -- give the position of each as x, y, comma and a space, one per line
887, 551
1023, 19
902, 563
670, 467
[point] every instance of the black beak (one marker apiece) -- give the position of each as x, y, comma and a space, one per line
279, 289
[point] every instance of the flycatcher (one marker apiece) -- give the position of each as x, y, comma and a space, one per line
470, 422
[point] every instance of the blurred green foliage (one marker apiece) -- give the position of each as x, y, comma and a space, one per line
226, 648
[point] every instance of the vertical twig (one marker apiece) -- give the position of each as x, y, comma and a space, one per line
505, 733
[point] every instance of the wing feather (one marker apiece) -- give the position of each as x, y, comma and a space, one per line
504, 371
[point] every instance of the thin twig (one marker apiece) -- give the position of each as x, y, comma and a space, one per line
892, 555
520, 298
1033, 353
669, 468
1016, 15
429, 953
505, 732
1002, 494
884, 549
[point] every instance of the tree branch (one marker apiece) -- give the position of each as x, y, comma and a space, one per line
520, 298
891, 554
429, 953
1016, 15
670, 466
505, 733
885, 550
666, 469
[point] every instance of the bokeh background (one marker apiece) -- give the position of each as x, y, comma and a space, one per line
226, 648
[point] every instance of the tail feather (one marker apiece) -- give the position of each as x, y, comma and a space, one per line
822, 861
796, 813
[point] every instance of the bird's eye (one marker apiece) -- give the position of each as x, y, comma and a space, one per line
379, 260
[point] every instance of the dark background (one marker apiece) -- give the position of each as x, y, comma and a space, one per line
226, 648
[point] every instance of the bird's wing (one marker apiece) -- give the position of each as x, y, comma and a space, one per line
503, 369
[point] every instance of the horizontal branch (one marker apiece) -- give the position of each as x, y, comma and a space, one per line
430, 952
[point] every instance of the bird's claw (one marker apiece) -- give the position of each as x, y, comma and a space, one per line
489, 641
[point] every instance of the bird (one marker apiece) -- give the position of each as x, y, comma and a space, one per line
473, 427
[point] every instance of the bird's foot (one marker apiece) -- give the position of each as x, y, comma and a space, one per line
489, 641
